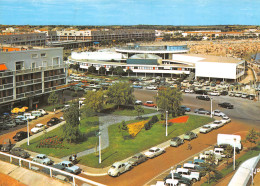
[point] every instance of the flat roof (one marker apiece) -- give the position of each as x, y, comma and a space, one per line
205, 58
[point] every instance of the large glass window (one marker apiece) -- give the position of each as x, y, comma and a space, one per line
19, 65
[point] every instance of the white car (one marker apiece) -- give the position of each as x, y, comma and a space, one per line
214, 93
153, 152
151, 88
118, 168
42, 111
225, 119
239, 94
244, 95
29, 116
217, 124
188, 91
206, 128
38, 128
218, 113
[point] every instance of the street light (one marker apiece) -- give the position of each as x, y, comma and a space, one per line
234, 160
211, 115
99, 146
166, 123
28, 134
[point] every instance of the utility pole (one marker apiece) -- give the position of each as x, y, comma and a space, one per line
166, 123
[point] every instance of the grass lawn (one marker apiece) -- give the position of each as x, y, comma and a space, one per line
249, 154
120, 149
89, 141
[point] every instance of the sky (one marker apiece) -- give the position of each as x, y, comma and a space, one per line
129, 12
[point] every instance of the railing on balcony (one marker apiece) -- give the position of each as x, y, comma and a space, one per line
26, 71
6, 86
28, 94
54, 77
8, 98
3, 74
28, 82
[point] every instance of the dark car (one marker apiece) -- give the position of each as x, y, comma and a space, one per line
186, 109
203, 97
20, 136
179, 177
17, 151
226, 105
137, 159
202, 111
53, 121
200, 92
224, 93
7, 145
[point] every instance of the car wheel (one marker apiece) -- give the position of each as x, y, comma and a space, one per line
193, 180
118, 174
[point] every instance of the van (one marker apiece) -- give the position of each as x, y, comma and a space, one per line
230, 139
219, 151
36, 113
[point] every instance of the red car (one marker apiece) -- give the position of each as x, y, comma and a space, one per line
149, 104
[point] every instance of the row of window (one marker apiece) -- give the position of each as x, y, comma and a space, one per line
36, 55
19, 65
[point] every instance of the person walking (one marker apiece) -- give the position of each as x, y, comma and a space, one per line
189, 146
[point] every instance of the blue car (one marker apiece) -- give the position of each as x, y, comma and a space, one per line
187, 109
137, 86
69, 165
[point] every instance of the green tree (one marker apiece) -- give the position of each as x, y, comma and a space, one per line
102, 70
94, 100
119, 71
129, 71
53, 98
209, 166
70, 130
120, 94
139, 109
252, 137
123, 128
228, 153
169, 99
91, 69
112, 70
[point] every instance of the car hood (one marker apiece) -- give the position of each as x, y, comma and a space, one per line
132, 160
203, 129
148, 153
74, 168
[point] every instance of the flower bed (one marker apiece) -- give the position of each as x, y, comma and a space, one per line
51, 142
182, 119
135, 128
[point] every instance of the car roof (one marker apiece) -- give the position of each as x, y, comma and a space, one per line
41, 155
66, 162
117, 163
154, 148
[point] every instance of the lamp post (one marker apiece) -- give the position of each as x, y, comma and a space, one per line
99, 146
28, 134
234, 160
166, 134
211, 115
79, 110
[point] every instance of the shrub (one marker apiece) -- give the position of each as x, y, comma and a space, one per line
154, 119
147, 126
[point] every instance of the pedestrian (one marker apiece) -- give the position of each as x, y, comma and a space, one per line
54, 110
70, 158
73, 158
189, 146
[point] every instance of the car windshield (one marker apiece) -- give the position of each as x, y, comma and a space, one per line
70, 165
206, 127
113, 167
151, 150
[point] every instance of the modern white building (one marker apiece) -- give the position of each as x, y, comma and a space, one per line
165, 61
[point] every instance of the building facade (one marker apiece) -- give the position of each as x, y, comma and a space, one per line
27, 76
31, 39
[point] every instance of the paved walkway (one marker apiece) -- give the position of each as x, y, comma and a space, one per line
105, 120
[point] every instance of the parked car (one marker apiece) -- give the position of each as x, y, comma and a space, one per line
118, 168
55, 173
225, 119
214, 93
176, 141
238, 94
36, 114
189, 136
18, 151
22, 117
232, 94
43, 159
137, 86
218, 113
29, 116
19, 121
206, 128
6, 146
151, 87
178, 176
154, 151
186, 173
216, 124
203, 97
137, 159
244, 95
69, 165
189, 91
53, 121
38, 128
187, 109
20, 136
202, 111
10, 124
138, 102
43, 111
251, 96
226, 105
149, 104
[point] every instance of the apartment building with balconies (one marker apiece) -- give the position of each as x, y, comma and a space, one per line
31, 39
28, 76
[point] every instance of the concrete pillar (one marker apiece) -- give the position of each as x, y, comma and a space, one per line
14, 87
30, 103
42, 74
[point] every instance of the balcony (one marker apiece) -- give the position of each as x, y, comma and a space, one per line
5, 74
51, 78
28, 94
6, 86
6, 99
40, 69
28, 82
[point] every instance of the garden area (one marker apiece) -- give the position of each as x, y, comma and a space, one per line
52, 144
142, 137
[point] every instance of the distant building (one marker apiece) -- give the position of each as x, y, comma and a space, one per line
31, 39
28, 75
